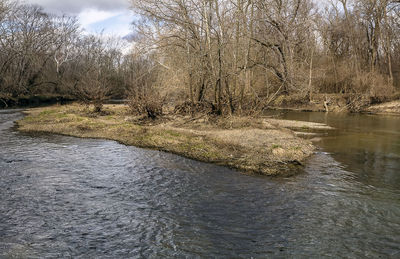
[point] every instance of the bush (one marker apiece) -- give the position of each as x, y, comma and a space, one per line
193, 108
151, 107
369, 88
290, 100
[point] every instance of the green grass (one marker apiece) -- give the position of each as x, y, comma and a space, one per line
47, 113
275, 146
172, 133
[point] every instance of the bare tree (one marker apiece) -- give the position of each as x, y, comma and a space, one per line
95, 71
229, 56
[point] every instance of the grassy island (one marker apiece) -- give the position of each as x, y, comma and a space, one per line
253, 145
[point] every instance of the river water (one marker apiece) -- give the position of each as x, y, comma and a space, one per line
67, 197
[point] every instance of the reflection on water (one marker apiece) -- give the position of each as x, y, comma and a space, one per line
368, 145
68, 197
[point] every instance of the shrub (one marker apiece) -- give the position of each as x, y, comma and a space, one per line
149, 106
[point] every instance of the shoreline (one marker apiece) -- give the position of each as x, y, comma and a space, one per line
335, 103
387, 108
250, 145
26, 102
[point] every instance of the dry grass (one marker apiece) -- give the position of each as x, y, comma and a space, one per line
247, 144
385, 108
299, 124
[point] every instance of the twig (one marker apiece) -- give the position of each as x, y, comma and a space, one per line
5, 103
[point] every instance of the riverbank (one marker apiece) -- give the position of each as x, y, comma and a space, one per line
254, 145
392, 108
337, 103
318, 103
33, 101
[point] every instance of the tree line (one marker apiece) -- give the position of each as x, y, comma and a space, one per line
223, 56
46, 54
240, 55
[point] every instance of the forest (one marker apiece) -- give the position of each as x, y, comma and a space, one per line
216, 56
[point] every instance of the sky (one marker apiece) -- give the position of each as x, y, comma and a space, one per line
112, 17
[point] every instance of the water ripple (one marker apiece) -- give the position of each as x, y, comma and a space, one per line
68, 197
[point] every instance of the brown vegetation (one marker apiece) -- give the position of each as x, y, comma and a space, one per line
44, 54
247, 144
215, 56
385, 108
241, 55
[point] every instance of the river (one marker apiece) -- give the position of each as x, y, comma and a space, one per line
67, 197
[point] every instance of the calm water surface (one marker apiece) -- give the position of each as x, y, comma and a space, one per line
69, 197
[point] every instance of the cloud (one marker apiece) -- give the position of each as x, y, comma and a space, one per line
90, 16
110, 17
77, 6
110, 23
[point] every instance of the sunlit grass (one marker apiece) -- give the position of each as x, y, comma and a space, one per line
248, 144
